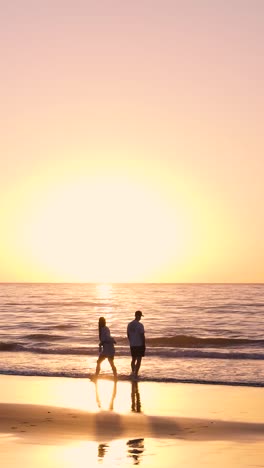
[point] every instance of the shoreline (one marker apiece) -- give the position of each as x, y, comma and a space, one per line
126, 378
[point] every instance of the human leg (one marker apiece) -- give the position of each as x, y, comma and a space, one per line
137, 364
111, 362
98, 366
133, 364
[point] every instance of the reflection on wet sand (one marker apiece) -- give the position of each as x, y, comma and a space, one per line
135, 398
135, 450
98, 399
135, 447
102, 449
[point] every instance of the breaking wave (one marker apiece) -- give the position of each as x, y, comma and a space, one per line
168, 352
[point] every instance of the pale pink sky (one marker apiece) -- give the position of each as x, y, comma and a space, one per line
166, 95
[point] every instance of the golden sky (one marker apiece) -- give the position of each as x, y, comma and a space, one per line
131, 141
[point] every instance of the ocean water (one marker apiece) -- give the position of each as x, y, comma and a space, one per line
204, 333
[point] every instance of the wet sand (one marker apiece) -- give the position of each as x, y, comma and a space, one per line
62, 422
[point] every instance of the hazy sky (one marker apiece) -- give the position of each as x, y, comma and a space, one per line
132, 140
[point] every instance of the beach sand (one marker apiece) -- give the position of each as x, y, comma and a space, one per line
61, 422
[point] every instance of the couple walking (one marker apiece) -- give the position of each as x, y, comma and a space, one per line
136, 338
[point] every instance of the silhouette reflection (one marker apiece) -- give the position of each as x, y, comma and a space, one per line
135, 450
135, 398
98, 399
102, 449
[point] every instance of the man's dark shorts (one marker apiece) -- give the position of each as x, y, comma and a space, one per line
137, 351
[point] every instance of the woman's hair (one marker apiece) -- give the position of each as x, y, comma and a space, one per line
101, 324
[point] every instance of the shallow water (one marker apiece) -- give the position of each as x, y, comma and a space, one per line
195, 332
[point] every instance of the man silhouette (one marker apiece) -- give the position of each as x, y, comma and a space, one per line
136, 337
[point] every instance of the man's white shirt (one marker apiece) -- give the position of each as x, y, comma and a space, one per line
135, 332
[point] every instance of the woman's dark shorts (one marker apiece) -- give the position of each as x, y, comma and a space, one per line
137, 351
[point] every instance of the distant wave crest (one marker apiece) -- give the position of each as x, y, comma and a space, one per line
186, 341
9, 346
43, 336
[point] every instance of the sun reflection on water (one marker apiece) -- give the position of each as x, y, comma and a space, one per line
104, 293
104, 290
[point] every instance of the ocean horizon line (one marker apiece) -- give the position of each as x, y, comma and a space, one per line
137, 282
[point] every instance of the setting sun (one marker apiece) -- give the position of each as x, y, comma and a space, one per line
101, 229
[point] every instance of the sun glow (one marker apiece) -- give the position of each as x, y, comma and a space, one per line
105, 229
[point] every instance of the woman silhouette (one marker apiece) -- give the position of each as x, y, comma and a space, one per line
106, 347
